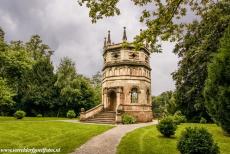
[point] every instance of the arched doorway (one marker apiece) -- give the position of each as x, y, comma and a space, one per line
112, 101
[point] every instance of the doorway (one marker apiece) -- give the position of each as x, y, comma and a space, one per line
112, 101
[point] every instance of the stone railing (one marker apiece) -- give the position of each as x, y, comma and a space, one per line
91, 112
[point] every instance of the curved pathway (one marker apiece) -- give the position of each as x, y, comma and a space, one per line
107, 142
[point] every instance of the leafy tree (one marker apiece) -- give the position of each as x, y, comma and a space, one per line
163, 19
6, 97
75, 90
96, 81
37, 88
164, 104
217, 86
195, 51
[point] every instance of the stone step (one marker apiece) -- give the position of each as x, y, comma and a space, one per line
111, 116
104, 118
100, 122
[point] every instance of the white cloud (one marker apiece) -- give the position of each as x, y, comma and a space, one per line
67, 29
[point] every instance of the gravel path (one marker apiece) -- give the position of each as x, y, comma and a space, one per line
107, 142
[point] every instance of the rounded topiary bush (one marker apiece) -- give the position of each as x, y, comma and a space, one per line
197, 141
19, 114
167, 126
39, 115
128, 119
71, 114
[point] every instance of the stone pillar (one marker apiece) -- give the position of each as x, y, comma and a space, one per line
105, 98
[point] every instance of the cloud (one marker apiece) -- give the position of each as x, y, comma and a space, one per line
67, 29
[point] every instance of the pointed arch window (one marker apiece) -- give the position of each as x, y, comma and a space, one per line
134, 95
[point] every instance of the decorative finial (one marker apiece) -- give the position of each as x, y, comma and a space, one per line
124, 35
104, 42
109, 39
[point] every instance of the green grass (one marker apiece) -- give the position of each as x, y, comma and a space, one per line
31, 119
49, 134
148, 140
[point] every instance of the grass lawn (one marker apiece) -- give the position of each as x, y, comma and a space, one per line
31, 119
148, 140
48, 134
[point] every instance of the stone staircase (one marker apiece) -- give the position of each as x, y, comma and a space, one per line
104, 117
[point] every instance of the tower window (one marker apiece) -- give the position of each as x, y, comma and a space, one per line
134, 95
116, 56
133, 55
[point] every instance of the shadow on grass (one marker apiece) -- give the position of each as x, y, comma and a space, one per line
163, 137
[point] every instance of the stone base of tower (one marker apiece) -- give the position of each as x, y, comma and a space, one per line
141, 112
141, 116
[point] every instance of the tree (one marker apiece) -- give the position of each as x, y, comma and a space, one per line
195, 51
6, 98
164, 104
37, 88
217, 86
96, 81
163, 19
75, 90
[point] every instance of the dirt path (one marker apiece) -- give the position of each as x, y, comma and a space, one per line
107, 142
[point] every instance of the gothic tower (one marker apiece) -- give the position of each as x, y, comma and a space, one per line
126, 85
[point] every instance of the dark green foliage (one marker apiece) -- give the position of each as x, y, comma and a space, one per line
28, 81
71, 114
39, 115
75, 90
37, 88
197, 141
203, 120
167, 126
196, 50
128, 119
19, 114
217, 86
178, 119
163, 104
6, 97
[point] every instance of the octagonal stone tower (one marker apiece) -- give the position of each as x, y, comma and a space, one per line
126, 84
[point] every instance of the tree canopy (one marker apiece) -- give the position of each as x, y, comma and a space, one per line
28, 81
164, 19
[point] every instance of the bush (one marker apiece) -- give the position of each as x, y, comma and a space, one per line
203, 120
128, 119
71, 114
178, 119
167, 126
39, 115
19, 114
197, 140
178, 112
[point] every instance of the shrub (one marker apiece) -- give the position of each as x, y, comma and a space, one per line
178, 112
167, 126
128, 119
71, 114
203, 120
19, 114
178, 119
39, 115
197, 140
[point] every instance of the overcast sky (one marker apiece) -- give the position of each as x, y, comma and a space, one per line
67, 29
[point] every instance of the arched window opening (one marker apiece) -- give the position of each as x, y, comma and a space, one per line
134, 95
